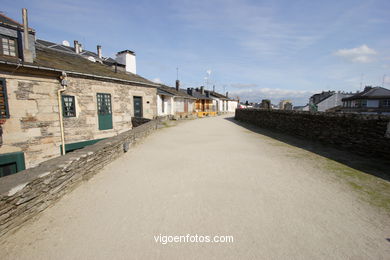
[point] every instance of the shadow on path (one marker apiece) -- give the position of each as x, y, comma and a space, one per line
376, 167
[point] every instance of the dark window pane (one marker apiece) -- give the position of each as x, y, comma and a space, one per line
68, 106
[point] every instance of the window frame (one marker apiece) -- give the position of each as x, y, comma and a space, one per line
8, 38
73, 105
385, 103
103, 99
4, 92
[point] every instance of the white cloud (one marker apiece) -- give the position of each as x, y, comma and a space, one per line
299, 97
243, 85
361, 54
254, 27
157, 80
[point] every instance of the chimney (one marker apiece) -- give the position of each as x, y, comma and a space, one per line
177, 85
227, 94
213, 88
202, 90
208, 94
189, 91
127, 58
76, 46
99, 51
27, 54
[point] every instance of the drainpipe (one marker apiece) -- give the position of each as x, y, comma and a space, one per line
64, 83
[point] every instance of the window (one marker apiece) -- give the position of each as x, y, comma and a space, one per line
386, 103
162, 104
68, 106
4, 113
104, 104
363, 103
8, 46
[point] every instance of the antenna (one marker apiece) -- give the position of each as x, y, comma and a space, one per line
361, 81
383, 81
65, 43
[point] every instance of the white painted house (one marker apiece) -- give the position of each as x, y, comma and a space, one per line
165, 103
332, 101
219, 101
174, 102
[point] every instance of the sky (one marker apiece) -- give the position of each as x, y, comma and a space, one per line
253, 49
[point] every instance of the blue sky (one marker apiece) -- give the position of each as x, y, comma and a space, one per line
253, 49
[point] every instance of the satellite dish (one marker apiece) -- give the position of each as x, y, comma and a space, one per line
65, 43
91, 59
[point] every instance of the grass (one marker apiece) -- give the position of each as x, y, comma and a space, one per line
370, 188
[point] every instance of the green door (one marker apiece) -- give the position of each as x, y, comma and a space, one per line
104, 111
138, 107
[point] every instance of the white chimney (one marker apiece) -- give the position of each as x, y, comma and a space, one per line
99, 51
127, 58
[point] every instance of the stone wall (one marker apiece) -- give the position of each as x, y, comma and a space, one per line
24, 194
33, 127
368, 135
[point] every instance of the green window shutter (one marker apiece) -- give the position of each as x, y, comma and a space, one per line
4, 112
11, 163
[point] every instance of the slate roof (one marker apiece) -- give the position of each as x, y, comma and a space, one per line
370, 93
217, 95
8, 21
72, 62
198, 95
174, 92
160, 91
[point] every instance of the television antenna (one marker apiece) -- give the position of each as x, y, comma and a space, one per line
66, 43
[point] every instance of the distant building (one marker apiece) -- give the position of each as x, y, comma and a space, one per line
265, 104
317, 98
332, 101
372, 100
285, 105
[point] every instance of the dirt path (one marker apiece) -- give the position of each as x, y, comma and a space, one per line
208, 177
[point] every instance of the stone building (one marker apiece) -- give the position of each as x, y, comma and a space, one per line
55, 101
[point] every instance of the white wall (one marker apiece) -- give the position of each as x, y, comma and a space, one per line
129, 60
232, 105
332, 101
168, 105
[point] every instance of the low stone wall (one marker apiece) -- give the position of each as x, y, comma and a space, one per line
367, 135
137, 121
24, 194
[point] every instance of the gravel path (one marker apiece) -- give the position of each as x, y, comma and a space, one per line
208, 177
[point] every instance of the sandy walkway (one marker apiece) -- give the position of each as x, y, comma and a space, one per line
207, 177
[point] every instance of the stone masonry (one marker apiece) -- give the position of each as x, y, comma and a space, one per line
33, 127
362, 134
